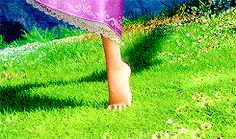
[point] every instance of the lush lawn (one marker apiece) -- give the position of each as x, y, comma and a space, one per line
183, 84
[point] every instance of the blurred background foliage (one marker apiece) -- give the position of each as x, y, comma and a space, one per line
14, 30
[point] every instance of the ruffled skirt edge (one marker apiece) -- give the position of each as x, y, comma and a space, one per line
91, 26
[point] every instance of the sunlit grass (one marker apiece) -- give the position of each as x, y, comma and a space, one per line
183, 84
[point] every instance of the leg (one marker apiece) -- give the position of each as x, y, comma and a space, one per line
118, 73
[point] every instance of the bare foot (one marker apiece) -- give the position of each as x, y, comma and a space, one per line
118, 84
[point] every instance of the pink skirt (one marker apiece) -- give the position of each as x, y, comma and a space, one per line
97, 16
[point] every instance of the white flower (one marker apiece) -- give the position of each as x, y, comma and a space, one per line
206, 126
196, 134
176, 136
167, 134
106, 135
205, 103
183, 130
157, 135
182, 109
194, 98
170, 121
217, 95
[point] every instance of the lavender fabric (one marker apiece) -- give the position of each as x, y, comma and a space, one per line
105, 14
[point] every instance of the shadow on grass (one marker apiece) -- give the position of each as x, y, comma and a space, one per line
144, 51
97, 76
17, 99
141, 55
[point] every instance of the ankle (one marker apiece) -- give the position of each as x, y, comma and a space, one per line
115, 66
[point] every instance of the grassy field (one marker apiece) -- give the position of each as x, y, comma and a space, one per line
183, 84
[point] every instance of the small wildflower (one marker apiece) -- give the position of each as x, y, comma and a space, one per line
170, 121
203, 104
219, 136
193, 61
206, 103
14, 58
15, 130
194, 98
157, 135
217, 95
196, 134
182, 109
167, 134
176, 136
107, 135
8, 120
206, 126
227, 99
183, 130
5, 66
233, 79
200, 95
180, 24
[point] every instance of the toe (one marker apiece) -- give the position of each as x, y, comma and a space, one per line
120, 107
115, 107
109, 107
129, 104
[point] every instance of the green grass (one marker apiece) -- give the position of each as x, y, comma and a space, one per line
183, 78
40, 35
